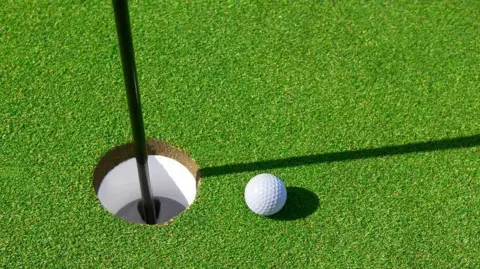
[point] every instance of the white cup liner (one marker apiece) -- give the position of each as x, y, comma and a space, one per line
170, 181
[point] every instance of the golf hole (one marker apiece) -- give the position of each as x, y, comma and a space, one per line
173, 181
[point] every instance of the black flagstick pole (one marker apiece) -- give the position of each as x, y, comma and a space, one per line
148, 205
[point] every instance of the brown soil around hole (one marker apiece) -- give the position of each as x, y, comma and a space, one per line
119, 154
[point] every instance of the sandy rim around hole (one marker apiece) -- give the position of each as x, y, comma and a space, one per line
119, 154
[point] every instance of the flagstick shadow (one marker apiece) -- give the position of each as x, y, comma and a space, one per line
445, 144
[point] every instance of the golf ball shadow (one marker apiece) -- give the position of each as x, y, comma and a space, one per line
300, 204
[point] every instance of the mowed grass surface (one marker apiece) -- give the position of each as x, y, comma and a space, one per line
239, 83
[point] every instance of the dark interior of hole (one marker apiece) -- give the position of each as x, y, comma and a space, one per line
170, 209
141, 208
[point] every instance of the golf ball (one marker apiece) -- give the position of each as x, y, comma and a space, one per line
265, 194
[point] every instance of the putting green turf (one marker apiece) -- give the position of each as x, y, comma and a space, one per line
239, 83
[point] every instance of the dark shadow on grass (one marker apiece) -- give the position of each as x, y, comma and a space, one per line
300, 204
445, 144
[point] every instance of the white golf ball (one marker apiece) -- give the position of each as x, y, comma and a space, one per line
265, 194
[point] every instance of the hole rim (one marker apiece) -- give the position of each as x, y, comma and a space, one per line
118, 154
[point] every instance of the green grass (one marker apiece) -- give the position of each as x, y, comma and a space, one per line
238, 83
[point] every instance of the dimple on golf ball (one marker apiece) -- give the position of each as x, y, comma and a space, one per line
265, 194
